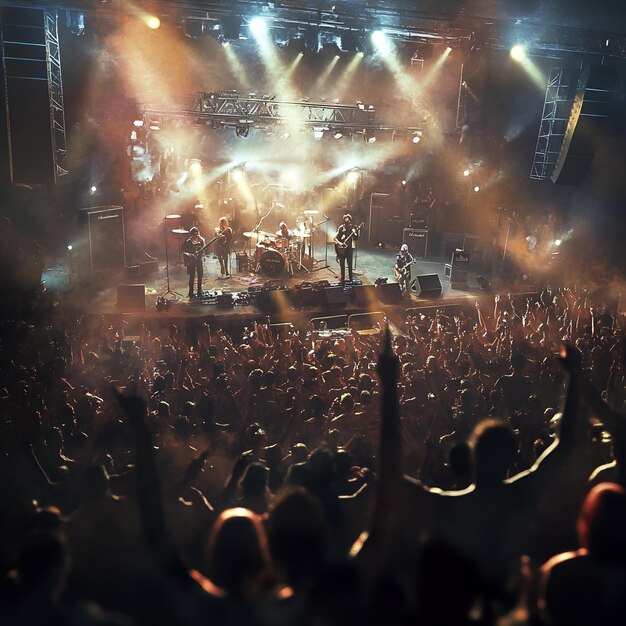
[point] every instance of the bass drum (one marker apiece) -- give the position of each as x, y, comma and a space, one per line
272, 263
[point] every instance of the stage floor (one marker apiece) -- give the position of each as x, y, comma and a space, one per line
97, 294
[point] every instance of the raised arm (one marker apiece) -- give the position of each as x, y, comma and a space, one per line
149, 496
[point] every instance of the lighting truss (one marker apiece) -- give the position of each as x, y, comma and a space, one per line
556, 111
231, 110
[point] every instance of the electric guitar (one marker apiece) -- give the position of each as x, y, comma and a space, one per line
191, 258
341, 247
402, 274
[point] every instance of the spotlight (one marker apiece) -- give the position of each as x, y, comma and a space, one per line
404, 183
152, 21
238, 175
258, 26
138, 123
337, 134
557, 242
417, 136
154, 125
352, 177
381, 42
477, 189
318, 133
93, 189
195, 167
466, 173
70, 247
518, 52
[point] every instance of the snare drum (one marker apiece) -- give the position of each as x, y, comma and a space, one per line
272, 262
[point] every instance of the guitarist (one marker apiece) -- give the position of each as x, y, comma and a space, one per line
192, 253
222, 245
402, 268
345, 240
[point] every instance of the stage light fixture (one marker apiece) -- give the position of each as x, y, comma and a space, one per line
238, 174
337, 134
285, 135
195, 167
518, 52
369, 136
318, 134
417, 136
353, 178
152, 22
154, 125
93, 189
75, 21
70, 247
351, 42
258, 26
466, 173
138, 123
404, 183
381, 43
557, 242
477, 189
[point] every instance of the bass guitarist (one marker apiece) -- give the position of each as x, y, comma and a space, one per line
345, 240
402, 268
192, 254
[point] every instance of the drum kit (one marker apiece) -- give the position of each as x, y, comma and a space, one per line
274, 255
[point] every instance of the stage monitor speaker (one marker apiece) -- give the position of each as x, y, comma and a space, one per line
105, 236
334, 296
28, 101
389, 293
131, 298
587, 121
417, 240
273, 300
364, 295
427, 285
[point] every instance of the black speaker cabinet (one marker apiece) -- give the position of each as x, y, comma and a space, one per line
390, 229
427, 285
389, 293
104, 228
334, 296
417, 240
131, 298
364, 295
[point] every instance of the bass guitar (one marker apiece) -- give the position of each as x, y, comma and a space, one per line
341, 247
191, 258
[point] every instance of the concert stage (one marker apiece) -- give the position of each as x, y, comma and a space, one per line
249, 295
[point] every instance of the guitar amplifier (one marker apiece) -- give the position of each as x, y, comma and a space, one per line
418, 221
417, 240
390, 229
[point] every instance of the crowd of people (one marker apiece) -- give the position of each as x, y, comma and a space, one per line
465, 466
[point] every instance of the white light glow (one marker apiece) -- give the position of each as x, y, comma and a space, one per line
477, 189
318, 134
195, 167
518, 52
557, 242
381, 42
238, 175
258, 26
138, 123
466, 172
70, 247
338, 134
352, 178
152, 21
93, 189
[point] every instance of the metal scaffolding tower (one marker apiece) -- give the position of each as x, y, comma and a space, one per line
557, 106
55, 85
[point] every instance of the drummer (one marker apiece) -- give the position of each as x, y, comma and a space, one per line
284, 233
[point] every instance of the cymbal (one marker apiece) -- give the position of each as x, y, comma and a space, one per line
259, 235
310, 212
180, 231
172, 216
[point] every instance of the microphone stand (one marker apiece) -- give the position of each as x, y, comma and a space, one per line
313, 231
167, 266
